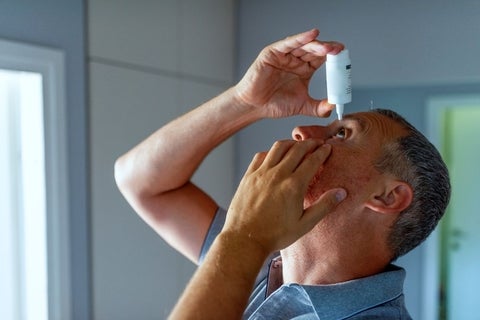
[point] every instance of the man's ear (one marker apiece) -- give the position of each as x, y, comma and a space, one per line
395, 197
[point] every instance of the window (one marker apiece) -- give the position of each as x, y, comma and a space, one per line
23, 186
34, 268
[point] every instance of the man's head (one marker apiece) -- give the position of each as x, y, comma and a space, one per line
388, 168
415, 160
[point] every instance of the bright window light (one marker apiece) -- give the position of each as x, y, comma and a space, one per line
23, 224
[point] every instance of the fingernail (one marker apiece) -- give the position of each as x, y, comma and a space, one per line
340, 195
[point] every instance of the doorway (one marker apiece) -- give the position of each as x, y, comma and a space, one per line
457, 120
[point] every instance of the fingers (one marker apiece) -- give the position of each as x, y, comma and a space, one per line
305, 159
317, 48
289, 151
317, 108
271, 158
314, 61
305, 46
289, 154
292, 42
311, 163
277, 152
322, 108
256, 162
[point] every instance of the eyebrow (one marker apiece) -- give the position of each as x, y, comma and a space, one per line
360, 122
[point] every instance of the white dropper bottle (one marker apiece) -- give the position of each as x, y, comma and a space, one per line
339, 80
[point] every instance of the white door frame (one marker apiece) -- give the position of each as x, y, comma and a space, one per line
50, 63
436, 107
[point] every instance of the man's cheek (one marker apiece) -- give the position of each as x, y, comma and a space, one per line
327, 177
313, 192
320, 183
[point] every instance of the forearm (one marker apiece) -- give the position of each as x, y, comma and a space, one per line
222, 285
169, 157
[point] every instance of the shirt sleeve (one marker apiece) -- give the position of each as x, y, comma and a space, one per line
215, 228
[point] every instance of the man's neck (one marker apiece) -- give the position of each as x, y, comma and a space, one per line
310, 261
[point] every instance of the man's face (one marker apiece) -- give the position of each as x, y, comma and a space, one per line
357, 142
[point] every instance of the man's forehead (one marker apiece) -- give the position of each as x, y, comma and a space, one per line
374, 121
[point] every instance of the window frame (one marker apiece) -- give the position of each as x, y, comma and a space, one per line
50, 63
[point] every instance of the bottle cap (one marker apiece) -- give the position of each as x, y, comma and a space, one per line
342, 55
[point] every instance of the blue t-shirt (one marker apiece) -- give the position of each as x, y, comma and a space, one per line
376, 297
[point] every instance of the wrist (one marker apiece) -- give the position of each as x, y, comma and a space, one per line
253, 254
248, 107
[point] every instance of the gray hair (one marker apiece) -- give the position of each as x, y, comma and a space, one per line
413, 159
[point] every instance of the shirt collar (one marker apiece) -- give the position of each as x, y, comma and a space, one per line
350, 297
345, 298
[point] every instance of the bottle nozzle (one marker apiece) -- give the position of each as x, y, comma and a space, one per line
339, 109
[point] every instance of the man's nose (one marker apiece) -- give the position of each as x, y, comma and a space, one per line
308, 132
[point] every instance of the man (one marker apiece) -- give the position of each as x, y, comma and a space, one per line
340, 202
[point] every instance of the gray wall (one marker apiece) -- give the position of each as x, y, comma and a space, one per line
402, 53
59, 24
149, 62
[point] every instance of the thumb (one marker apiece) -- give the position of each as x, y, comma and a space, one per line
321, 108
324, 205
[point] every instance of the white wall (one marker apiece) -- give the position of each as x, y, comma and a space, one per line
149, 62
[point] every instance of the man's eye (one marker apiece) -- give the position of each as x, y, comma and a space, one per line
341, 134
